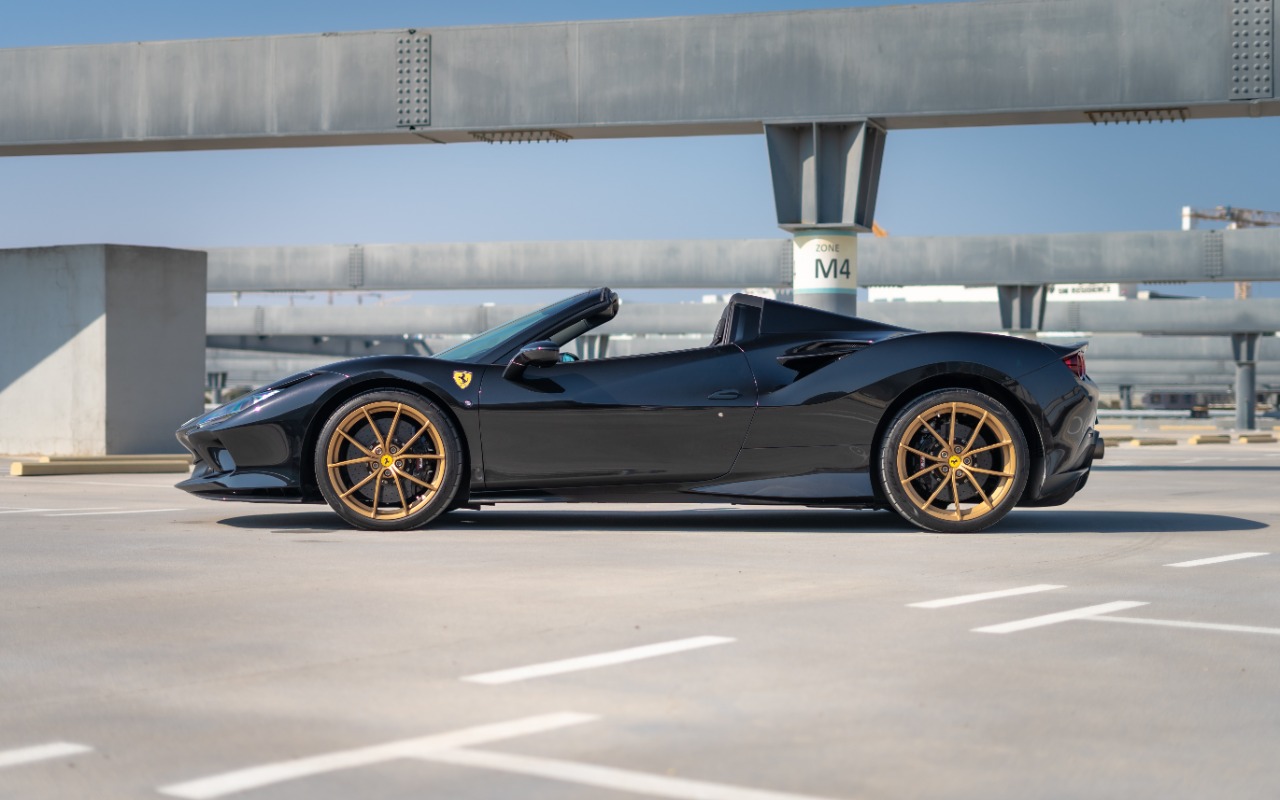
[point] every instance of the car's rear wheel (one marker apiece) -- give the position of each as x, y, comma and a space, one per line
954, 461
388, 461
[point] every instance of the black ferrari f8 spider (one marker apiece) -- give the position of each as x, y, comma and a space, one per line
786, 405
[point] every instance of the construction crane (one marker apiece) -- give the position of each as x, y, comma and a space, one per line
1235, 218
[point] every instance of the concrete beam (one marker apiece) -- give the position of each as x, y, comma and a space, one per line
335, 347
257, 368
1165, 256
1226, 370
924, 66
1172, 380
1036, 259
1169, 317
397, 322
688, 263
1172, 317
1121, 348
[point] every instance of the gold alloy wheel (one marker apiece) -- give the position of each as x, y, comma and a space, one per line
392, 447
956, 461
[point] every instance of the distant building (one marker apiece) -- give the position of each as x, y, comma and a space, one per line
987, 294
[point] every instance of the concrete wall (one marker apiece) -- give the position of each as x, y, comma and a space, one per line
101, 348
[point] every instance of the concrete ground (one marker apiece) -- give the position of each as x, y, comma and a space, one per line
156, 645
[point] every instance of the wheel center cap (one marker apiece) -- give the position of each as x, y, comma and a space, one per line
386, 461
953, 462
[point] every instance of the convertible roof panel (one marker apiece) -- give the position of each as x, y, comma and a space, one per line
780, 317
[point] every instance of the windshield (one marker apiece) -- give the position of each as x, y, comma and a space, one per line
493, 337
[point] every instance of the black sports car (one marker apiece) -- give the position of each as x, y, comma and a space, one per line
786, 404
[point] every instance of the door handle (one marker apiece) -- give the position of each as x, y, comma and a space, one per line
725, 394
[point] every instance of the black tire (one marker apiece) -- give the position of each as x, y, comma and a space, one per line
371, 478
953, 461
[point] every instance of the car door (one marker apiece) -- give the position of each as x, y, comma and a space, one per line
665, 418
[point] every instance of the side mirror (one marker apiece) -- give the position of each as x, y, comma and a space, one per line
537, 354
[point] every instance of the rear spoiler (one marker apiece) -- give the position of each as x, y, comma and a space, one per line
1064, 350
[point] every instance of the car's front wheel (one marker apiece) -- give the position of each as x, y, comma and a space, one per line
388, 461
954, 461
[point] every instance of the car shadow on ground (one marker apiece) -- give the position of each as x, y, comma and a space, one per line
772, 520
1085, 521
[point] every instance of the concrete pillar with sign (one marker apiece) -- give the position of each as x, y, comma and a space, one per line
825, 179
825, 270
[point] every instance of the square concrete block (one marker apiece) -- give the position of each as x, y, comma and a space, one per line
101, 348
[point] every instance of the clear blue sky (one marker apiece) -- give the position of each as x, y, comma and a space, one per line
998, 180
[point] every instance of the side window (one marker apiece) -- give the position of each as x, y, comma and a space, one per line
572, 335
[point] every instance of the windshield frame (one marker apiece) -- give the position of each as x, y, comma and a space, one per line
501, 339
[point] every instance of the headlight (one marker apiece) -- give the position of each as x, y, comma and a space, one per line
235, 407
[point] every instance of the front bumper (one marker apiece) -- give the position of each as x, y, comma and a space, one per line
260, 454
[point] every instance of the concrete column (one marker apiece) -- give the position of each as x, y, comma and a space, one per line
1244, 346
101, 348
215, 382
1246, 392
1022, 308
593, 346
825, 179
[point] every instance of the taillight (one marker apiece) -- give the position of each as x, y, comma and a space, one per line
1075, 363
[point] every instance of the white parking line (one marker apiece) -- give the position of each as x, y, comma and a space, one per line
268, 774
593, 661
105, 513
40, 752
1204, 626
605, 777
59, 481
1199, 562
1061, 616
977, 598
88, 509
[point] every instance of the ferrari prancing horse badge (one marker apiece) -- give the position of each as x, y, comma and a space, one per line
462, 378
